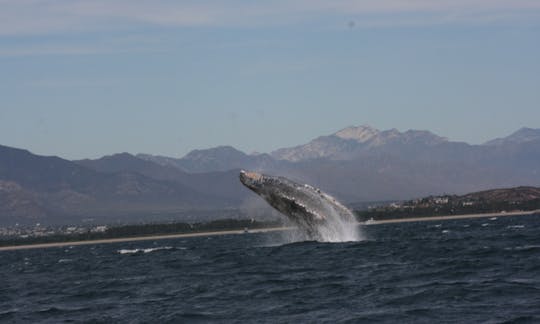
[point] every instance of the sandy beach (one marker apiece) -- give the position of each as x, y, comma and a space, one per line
260, 230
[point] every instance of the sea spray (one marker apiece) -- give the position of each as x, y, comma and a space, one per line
336, 228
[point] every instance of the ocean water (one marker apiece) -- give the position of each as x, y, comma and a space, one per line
459, 271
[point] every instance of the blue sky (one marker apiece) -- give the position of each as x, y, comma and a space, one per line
88, 78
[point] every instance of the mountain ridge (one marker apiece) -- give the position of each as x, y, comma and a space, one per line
523, 135
34, 187
353, 141
355, 164
220, 158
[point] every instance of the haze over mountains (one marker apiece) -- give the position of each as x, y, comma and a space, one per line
355, 164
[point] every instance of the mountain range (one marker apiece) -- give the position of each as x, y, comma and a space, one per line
357, 163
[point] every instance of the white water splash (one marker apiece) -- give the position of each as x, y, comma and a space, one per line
340, 225
336, 228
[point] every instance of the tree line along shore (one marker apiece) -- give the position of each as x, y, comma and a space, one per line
139, 230
437, 206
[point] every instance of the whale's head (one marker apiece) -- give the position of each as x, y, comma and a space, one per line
265, 185
270, 186
253, 180
282, 194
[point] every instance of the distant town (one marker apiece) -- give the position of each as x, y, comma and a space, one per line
19, 235
490, 201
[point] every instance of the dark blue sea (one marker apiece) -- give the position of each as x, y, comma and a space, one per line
460, 271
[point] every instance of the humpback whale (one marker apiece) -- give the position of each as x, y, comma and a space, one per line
319, 215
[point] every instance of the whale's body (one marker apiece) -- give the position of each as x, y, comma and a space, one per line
313, 211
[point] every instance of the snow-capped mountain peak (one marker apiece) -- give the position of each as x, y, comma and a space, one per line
361, 134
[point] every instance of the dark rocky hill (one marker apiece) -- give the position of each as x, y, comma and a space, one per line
518, 194
222, 184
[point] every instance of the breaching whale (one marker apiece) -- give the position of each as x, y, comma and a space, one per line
318, 214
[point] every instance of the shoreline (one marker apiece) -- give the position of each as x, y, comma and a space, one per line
257, 230
137, 238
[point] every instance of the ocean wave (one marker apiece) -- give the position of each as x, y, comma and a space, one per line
405, 272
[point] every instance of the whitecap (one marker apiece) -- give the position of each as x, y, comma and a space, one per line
526, 247
446, 231
515, 226
485, 224
126, 251
493, 218
148, 250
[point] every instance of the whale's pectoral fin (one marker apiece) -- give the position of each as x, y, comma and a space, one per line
293, 206
300, 213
